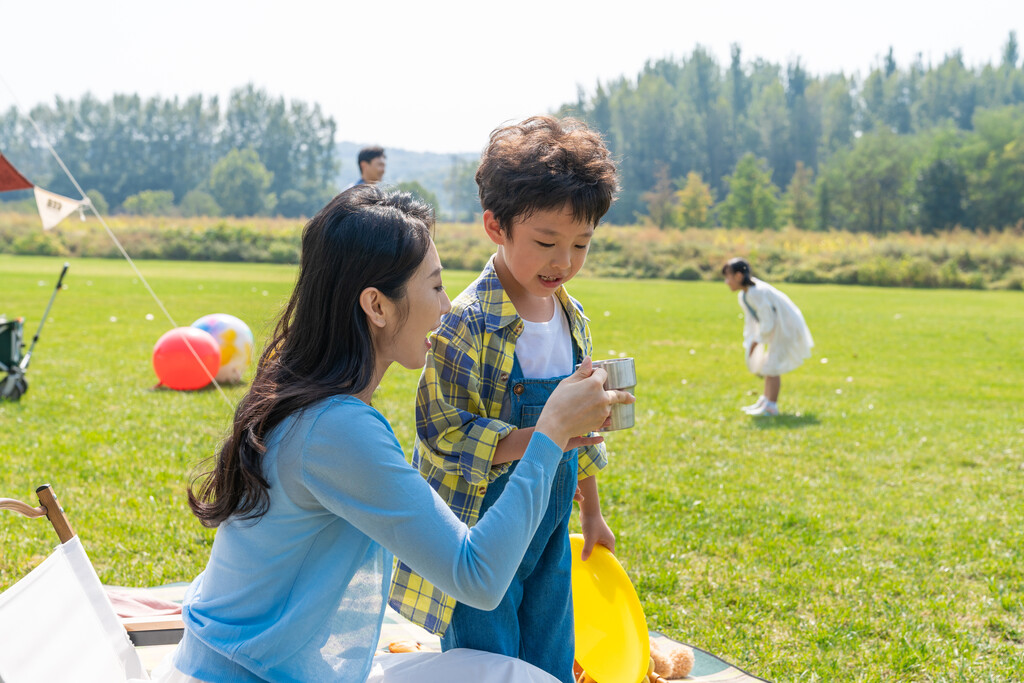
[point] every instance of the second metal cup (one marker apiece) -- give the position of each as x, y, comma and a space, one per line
621, 375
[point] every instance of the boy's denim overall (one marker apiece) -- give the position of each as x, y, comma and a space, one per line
534, 620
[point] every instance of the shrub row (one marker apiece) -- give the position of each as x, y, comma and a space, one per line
956, 258
275, 241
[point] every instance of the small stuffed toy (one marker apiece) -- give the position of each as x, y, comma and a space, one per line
405, 646
667, 664
672, 662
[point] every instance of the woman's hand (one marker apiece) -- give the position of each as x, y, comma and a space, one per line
579, 405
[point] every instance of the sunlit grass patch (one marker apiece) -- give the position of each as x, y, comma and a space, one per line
870, 533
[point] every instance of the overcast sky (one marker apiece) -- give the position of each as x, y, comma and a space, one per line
438, 76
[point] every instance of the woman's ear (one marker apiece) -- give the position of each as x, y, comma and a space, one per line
375, 305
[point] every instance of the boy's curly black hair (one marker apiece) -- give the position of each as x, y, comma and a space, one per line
544, 163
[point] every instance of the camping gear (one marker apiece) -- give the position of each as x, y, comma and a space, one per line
57, 622
622, 376
12, 362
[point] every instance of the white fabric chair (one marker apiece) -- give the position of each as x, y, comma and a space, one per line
57, 624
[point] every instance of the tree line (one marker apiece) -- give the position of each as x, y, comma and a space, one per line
752, 144
258, 156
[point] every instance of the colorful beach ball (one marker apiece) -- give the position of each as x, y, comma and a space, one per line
177, 366
236, 344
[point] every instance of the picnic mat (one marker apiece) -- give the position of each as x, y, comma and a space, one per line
707, 668
151, 655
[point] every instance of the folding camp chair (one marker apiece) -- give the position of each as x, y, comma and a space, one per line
12, 361
57, 623
11, 346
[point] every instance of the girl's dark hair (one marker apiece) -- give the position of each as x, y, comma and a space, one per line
739, 265
546, 163
321, 346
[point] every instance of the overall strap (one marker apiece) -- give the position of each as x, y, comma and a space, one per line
517, 369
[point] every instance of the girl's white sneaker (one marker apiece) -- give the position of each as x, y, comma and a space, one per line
754, 406
766, 409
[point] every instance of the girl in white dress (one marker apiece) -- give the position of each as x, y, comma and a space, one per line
775, 337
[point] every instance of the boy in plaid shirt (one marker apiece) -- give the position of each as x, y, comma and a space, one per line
510, 337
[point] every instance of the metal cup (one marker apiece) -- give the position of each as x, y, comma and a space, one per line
621, 375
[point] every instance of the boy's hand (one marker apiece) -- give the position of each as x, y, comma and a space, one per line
595, 530
512, 446
581, 441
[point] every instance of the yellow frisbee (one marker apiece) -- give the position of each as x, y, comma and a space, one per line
612, 644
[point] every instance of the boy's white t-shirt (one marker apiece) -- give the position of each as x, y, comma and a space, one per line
545, 349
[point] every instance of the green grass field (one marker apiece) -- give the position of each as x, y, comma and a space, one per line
874, 532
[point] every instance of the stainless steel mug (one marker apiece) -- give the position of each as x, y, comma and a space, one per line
621, 375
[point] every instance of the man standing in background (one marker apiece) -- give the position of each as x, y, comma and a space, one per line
372, 163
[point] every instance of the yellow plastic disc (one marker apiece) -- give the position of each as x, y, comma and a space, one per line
612, 644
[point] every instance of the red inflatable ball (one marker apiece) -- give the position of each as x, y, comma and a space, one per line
176, 365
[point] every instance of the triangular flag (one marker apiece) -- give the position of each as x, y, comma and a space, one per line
53, 208
10, 179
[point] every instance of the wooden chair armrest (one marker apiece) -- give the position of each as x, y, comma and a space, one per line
158, 630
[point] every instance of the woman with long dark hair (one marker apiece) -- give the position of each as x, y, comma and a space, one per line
311, 494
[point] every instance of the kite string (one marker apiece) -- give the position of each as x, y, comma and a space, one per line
118, 244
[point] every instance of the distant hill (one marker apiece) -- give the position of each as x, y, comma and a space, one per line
427, 168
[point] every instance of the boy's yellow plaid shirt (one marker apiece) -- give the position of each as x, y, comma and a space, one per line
458, 419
